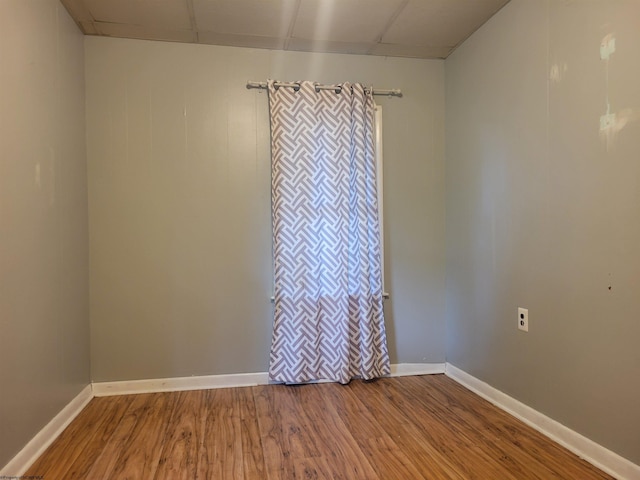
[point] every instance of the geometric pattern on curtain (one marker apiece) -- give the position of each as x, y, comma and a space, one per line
329, 320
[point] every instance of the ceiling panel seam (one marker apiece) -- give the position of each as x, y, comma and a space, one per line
390, 22
192, 19
292, 24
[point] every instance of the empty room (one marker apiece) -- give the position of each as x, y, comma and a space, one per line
296, 239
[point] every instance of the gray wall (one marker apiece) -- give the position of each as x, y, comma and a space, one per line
543, 212
179, 196
44, 311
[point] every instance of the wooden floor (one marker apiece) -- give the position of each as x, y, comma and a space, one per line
395, 428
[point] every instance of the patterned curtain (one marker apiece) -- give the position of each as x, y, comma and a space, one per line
328, 322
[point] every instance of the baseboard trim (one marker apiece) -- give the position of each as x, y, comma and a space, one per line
599, 456
406, 369
177, 384
45, 437
127, 387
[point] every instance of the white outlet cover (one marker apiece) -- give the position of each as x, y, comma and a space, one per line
523, 319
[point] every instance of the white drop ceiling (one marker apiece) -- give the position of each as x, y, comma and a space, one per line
399, 28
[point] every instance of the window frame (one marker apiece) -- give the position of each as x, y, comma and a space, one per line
380, 186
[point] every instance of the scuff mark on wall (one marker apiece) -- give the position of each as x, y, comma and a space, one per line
607, 46
38, 176
612, 123
557, 71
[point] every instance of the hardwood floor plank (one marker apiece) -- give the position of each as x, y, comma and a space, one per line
135, 447
221, 453
81, 442
461, 419
184, 438
524, 445
113, 412
338, 447
312, 468
454, 446
282, 430
141, 454
431, 458
106, 461
71, 441
382, 453
252, 451
388, 460
488, 427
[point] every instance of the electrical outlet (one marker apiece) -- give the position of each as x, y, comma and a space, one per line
523, 319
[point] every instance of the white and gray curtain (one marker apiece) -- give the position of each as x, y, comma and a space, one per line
329, 321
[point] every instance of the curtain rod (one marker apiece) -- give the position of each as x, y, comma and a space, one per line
263, 85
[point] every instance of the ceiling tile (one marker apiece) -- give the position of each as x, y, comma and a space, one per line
213, 38
344, 20
171, 14
259, 18
144, 33
440, 22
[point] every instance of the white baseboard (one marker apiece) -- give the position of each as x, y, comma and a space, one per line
177, 384
104, 389
597, 455
405, 369
45, 437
